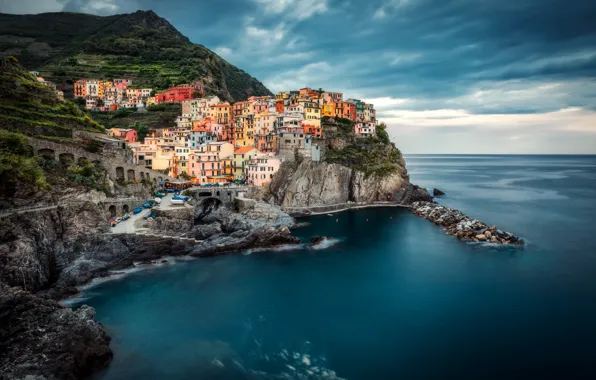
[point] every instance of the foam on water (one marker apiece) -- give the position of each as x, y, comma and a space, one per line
326, 243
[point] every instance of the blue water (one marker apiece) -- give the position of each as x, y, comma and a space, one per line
395, 298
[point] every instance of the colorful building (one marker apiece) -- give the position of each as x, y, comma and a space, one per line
80, 88
176, 94
125, 134
261, 168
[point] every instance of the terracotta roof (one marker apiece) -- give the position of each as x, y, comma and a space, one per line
244, 149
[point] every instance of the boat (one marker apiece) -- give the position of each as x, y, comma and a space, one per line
126, 216
177, 202
118, 219
112, 222
157, 200
137, 210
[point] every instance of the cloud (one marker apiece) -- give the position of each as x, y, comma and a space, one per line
294, 9
31, 6
389, 7
310, 75
224, 51
102, 7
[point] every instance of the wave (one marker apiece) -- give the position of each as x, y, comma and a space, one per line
326, 243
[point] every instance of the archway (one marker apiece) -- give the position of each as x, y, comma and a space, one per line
125, 208
47, 154
66, 159
154, 180
142, 176
217, 193
112, 210
120, 173
159, 179
83, 161
130, 175
207, 206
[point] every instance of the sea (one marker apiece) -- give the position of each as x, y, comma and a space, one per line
390, 296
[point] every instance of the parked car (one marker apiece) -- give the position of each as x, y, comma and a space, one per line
137, 210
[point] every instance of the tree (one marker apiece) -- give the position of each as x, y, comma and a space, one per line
152, 93
382, 133
80, 101
141, 129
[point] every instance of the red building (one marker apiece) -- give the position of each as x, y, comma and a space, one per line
176, 94
279, 106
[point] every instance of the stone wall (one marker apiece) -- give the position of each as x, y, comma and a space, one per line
116, 165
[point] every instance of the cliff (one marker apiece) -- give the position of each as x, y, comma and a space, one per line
354, 170
310, 184
41, 340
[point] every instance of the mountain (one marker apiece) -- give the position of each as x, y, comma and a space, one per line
140, 46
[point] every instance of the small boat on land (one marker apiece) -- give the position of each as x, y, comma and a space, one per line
177, 202
118, 219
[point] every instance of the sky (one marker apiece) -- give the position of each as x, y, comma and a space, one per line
446, 76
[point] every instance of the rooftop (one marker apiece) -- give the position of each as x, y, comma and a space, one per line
244, 149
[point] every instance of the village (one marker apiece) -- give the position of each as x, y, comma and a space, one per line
215, 142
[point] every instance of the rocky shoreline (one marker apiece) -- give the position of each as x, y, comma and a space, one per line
462, 226
40, 339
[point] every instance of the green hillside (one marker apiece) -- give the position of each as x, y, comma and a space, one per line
140, 46
28, 107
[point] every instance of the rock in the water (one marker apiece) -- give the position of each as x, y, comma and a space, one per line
41, 339
437, 192
462, 226
315, 240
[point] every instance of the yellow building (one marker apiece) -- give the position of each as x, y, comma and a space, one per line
311, 111
244, 131
102, 87
241, 156
282, 95
328, 110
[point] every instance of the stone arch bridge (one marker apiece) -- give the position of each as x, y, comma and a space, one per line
225, 194
116, 166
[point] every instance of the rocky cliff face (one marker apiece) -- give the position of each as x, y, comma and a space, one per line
309, 184
41, 340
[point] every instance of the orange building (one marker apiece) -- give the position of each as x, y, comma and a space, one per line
80, 88
222, 113
279, 106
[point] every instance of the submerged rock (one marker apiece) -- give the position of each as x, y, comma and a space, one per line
437, 192
462, 226
316, 240
40, 339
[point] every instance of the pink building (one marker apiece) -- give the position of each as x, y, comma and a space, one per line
365, 129
122, 83
125, 134
262, 168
